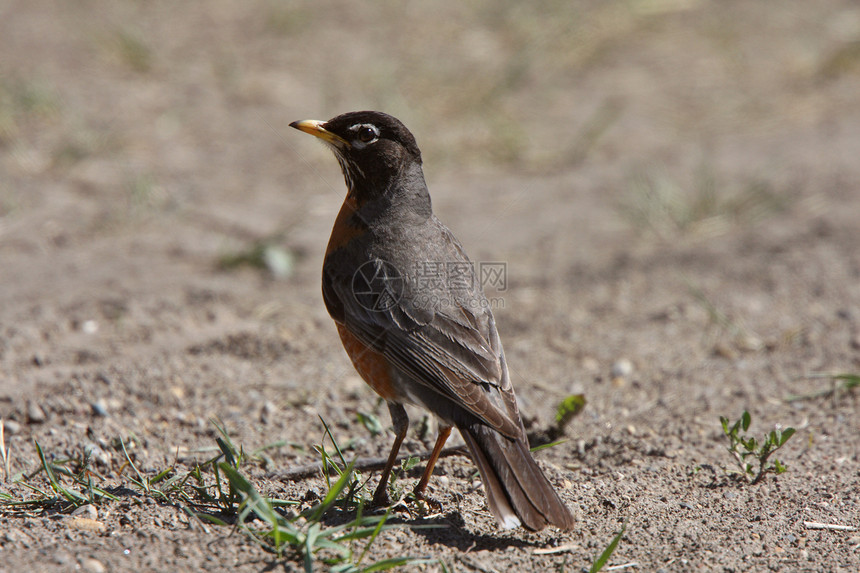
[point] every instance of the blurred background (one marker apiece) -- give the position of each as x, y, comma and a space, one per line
143, 144
598, 148
625, 159
116, 113
672, 184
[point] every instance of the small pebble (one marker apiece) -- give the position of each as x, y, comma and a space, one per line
725, 351
98, 454
749, 342
11, 427
99, 408
35, 414
91, 565
621, 368
86, 524
268, 411
90, 327
279, 261
89, 511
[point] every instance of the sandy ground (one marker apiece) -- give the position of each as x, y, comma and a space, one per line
673, 184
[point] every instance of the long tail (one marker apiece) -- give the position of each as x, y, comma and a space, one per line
517, 490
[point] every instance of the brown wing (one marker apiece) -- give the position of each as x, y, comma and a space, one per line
444, 340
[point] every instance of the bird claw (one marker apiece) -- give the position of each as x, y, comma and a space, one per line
426, 502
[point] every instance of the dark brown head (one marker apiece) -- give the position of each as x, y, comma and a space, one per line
375, 150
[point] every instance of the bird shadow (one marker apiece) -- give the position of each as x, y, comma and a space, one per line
450, 530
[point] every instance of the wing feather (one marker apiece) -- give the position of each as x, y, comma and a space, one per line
451, 346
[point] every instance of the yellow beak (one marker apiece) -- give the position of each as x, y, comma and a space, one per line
315, 128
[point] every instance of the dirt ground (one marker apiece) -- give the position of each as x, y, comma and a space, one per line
673, 185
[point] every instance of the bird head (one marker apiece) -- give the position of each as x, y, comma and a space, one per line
374, 149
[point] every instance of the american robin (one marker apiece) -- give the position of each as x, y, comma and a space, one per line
415, 322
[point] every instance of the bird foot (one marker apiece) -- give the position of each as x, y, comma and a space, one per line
426, 503
380, 499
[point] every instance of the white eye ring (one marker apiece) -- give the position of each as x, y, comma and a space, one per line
365, 134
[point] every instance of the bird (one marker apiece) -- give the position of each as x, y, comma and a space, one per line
415, 323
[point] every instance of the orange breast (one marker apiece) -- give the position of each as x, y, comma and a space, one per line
345, 226
372, 365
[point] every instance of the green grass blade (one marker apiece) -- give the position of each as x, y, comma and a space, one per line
211, 519
70, 495
163, 474
141, 481
228, 451
255, 502
851, 380
549, 445
333, 441
391, 563
49, 472
370, 422
600, 562
316, 512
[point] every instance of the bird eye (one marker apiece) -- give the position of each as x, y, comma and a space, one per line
367, 133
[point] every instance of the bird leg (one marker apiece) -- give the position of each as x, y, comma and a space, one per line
444, 432
400, 421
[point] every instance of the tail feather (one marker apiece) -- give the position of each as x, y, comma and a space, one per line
517, 490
